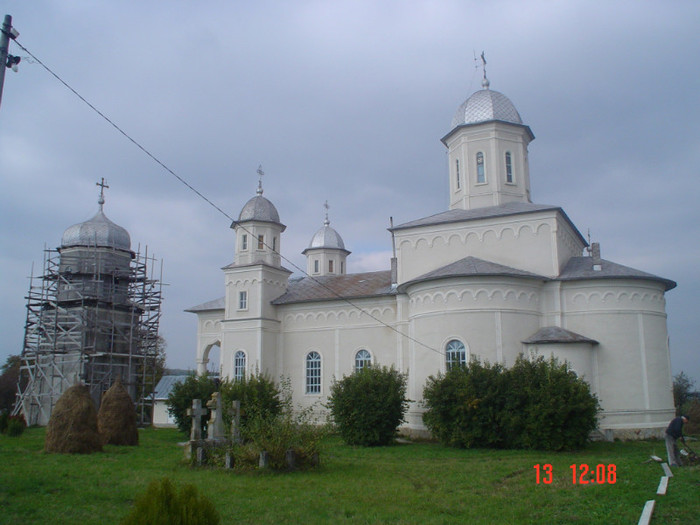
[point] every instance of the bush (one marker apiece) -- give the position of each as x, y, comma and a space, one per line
259, 396
15, 426
4, 418
162, 504
536, 404
369, 405
182, 394
466, 405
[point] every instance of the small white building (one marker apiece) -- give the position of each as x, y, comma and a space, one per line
493, 276
161, 416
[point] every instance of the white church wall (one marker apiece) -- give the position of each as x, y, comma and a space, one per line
627, 318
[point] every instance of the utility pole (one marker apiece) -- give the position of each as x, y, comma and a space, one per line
7, 60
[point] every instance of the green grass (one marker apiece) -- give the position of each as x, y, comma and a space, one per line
407, 483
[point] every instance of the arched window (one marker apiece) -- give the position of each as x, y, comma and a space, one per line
509, 168
480, 173
239, 366
459, 183
455, 354
313, 373
362, 359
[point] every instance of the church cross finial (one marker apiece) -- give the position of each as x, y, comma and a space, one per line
326, 222
102, 186
485, 82
260, 173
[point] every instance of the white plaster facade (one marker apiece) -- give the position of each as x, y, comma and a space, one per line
494, 272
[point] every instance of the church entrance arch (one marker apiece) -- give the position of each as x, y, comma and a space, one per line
210, 360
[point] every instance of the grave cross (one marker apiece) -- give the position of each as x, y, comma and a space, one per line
215, 428
196, 413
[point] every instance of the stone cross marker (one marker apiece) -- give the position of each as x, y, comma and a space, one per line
236, 422
215, 429
196, 413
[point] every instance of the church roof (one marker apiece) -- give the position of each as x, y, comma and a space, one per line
326, 237
486, 105
97, 231
556, 334
489, 212
216, 304
166, 384
472, 267
329, 287
579, 268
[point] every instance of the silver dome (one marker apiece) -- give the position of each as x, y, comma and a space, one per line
327, 237
486, 105
98, 231
259, 209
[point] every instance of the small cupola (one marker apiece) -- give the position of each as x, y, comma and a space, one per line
487, 149
258, 230
326, 254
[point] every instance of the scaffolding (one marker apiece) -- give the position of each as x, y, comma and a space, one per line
92, 317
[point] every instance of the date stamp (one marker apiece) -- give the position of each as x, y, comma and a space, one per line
580, 474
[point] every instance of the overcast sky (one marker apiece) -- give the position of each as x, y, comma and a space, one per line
344, 101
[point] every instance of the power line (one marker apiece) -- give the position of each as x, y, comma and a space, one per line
193, 189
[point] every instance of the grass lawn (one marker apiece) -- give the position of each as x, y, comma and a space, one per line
406, 483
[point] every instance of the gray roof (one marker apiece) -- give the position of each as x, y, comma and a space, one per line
579, 268
502, 210
329, 288
97, 231
326, 237
472, 267
486, 105
556, 334
216, 304
258, 209
166, 384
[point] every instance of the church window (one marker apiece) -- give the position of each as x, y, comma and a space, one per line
509, 168
362, 360
480, 173
342, 267
261, 242
274, 244
330, 266
242, 300
239, 366
316, 266
244, 242
455, 354
459, 184
313, 373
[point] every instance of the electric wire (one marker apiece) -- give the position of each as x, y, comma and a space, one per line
212, 204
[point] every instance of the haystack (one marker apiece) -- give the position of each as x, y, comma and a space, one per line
116, 419
72, 428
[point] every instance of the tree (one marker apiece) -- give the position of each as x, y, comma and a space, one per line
182, 394
682, 390
9, 377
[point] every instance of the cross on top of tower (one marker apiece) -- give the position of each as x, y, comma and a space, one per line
485, 82
327, 221
260, 173
102, 186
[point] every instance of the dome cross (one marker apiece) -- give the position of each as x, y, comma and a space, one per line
102, 186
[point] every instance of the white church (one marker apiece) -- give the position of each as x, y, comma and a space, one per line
492, 277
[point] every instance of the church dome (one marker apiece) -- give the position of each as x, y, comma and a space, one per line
327, 237
98, 231
486, 105
259, 209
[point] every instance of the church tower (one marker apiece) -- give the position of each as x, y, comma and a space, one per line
253, 280
326, 253
487, 150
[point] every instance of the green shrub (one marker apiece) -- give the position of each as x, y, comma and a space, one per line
163, 504
466, 405
369, 405
182, 394
259, 396
536, 404
15, 426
